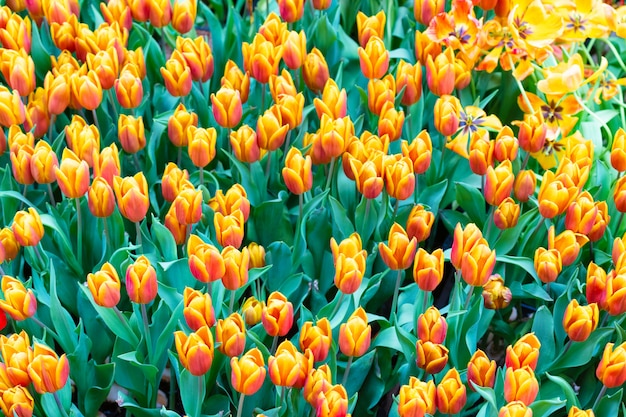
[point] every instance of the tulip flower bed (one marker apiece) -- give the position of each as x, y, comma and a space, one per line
312, 208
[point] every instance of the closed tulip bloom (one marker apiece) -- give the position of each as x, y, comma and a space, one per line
431, 326
569, 244
197, 53
481, 371
294, 51
140, 9
515, 409
104, 286
520, 384
86, 91
368, 176
131, 133
409, 78
48, 372
236, 79
333, 102
499, 183
495, 294
505, 146
548, 264
236, 265
555, 195
9, 243
178, 231
141, 281
57, 92
277, 315
248, 372
315, 71
198, 310
270, 130
19, 303
616, 293
183, 15
188, 206
173, 180
195, 351
611, 370
43, 162
245, 145
231, 334
595, 290
374, 58
419, 151
38, 117
117, 11
390, 122
21, 163
579, 321
532, 134
447, 115
128, 88
291, 10
601, 221
368, 27
16, 356
428, 269
317, 338
318, 381
106, 66
507, 214
297, 172
525, 352
229, 229
480, 152
286, 367
477, 264
235, 199
581, 214
21, 77
201, 144
451, 393
379, 92
352, 247
618, 151
227, 108
419, 223
17, 401
333, 403
431, 357
83, 139
263, 58
440, 73
160, 12
524, 185
399, 253
27, 227
399, 178
464, 240
619, 195
349, 272
417, 398
72, 175
252, 310
577, 412
177, 75
290, 109
425, 10
257, 255
132, 196
355, 335
12, 111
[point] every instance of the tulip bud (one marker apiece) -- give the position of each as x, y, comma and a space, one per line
601, 221
499, 183
618, 151
83, 139
130, 131
399, 253
19, 303
236, 265
428, 269
515, 409
106, 66
619, 195
227, 108
379, 92
132, 196
236, 79
520, 384
286, 367
37, 115
201, 145
390, 122
248, 372
107, 164
317, 338
48, 372
9, 244
440, 73
176, 74
369, 27
419, 223
294, 51
611, 370
480, 152
104, 286
525, 184
277, 315
43, 163
231, 334
17, 401
21, 163
128, 88
464, 241
235, 199
596, 285
451, 394
556, 194
160, 12
333, 402
333, 102
86, 91
188, 206
195, 351
524, 353
27, 227
257, 255
481, 371
506, 145
291, 10
252, 310
262, 58
318, 382
568, 244
477, 264
374, 58
117, 11
183, 15
548, 264
12, 111
368, 176
173, 180
355, 335
245, 144
178, 231
425, 10
507, 214
417, 398
616, 293
141, 281
229, 229
270, 130
315, 71
431, 357
409, 78
399, 178
198, 309
579, 321
297, 172
419, 151
197, 53
431, 326
577, 412
447, 115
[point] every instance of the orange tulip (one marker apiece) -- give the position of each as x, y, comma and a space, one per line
477, 264
17, 401
19, 303
236, 265
451, 393
379, 92
248, 372
261, 58
289, 368
556, 193
20, 71
428, 269
131, 133
160, 12
399, 253
21, 163
318, 382
431, 326
257, 255
107, 164
43, 163
234, 199
231, 334
106, 66
86, 91
480, 152
294, 51
520, 384
447, 115
201, 144
431, 357
291, 10
227, 108
391, 121
83, 139
596, 285
368, 27
9, 244
27, 227
277, 315
229, 229
481, 371
618, 151
188, 206
419, 151
495, 294
104, 286
616, 293
579, 321
237, 80
611, 370
195, 351
128, 88
374, 58
178, 231
524, 185
532, 134
333, 102
270, 130
297, 172
525, 352
506, 145
174, 179
399, 178
252, 311
409, 78
132, 196
499, 183
176, 74
184, 15
197, 53
568, 244
317, 338
117, 11
315, 71
245, 145
417, 398
507, 214
548, 264
355, 335
141, 281
198, 310
12, 111
440, 73
419, 223
48, 372
333, 402
425, 10
515, 409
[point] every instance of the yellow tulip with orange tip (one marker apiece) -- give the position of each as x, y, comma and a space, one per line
297, 172
201, 145
506, 214
48, 372
451, 393
520, 384
85, 91
524, 353
236, 79
477, 264
425, 47
291, 110
419, 223
105, 285
21, 164
615, 291
184, 15
231, 334
506, 145
611, 370
515, 409
333, 402
177, 75
428, 269
431, 357
277, 316
18, 401
132, 196
399, 177
419, 151
101, 199
236, 265
160, 12
481, 371
131, 133
447, 115
465, 238
205, 261
245, 145
17, 354
499, 183
326, 144
248, 372
291, 10
117, 11
83, 139
188, 206
294, 51
349, 259
580, 321
417, 398
399, 252
106, 66
198, 310
271, 131
252, 310
425, 10
227, 107
532, 133
27, 227
141, 281
19, 303
368, 175
262, 58
288, 367
577, 412
431, 326
548, 264
235, 199
333, 102
315, 70
317, 338
229, 229
57, 88
496, 295
140, 9
128, 88
596, 283
355, 335
618, 151
480, 152
174, 179
524, 185
318, 382
440, 75
555, 194
196, 350
379, 92
409, 79
197, 53
18, 69
374, 58
370, 26
37, 115
16, 31
178, 231
9, 243
282, 85
12, 111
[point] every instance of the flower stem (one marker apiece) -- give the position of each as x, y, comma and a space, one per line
79, 232
345, 374
337, 305
394, 303
138, 238
58, 401
469, 297
599, 397
232, 302
240, 405
107, 236
274, 344
51, 195
146, 326
330, 173
520, 86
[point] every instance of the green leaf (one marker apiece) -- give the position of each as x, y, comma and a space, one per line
609, 404
580, 353
488, 394
366, 219
472, 201
543, 327
526, 264
340, 218
63, 322
279, 229
546, 408
570, 395
192, 392
432, 195
101, 382
163, 240
359, 370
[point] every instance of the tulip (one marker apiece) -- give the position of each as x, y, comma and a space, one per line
379, 92
577, 412
349, 259
198, 310
425, 10
252, 311
183, 15
234, 199
160, 12
277, 315
556, 193
195, 351
245, 145
257, 255
174, 179
291, 10
520, 384
294, 52
579, 321
289, 368
581, 214
499, 183
619, 195
618, 151
568, 244
481, 371
431, 357
290, 109
507, 214
480, 152
390, 122
333, 402
83, 139
188, 206
17, 401
506, 145
440, 73
524, 185
297, 172
132, 196
270, 130
48, 372
141, 281
8, 244
130, 131
616, 293
178, 231
236, 79
532, 134
419, 223
333, 102
176, 74
248, 372
477, 264
315, 71
236, 265
417, 398
57, 90
38, 117
596, 285
428, 269
318, 382
399, 178
21, 77
451, 393
525, 352
85, 90
104, 286
368, 27
611, 370
140, 9
227, 108
21, 163
374, 58
12, 111
43, 163
117, 11
198, 55
431, 326
19, 303
419, 151
27, 227
128, 88
106, 66
355, 335
515, 409
399, 253
229, 229
464, 241
447, 115
107, 164
495, 294
262, 58
201, 144
231, 334
409, 78
317, 338
601, 221
548, 264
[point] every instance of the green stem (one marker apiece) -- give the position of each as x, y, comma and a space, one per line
337, 305
124, 323
525, 162
599, 397
58, 401
283, 391
520, 86
139, 238
231, 304
394, 303
146, 326
469, 297
300, 205
45, 328
107, 235
201, 175
53, 120
240, 406
51, 195
95, 119
615, 53
606, 128
274, 344
330, 173
425, 302
38, 254
79, 232
345, 374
